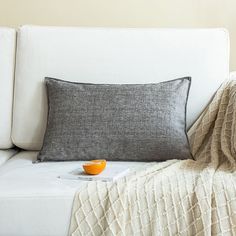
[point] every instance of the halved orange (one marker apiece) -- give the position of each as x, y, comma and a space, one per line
94, 167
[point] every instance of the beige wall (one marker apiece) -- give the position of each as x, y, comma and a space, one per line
123, 13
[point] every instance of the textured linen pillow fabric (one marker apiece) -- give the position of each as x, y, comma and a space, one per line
118, 122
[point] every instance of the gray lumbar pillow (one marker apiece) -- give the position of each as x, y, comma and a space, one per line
135, 122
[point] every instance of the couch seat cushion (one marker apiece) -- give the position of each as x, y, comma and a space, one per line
33, 201
6, 155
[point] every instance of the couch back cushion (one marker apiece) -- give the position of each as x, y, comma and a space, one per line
7, 66
112, 55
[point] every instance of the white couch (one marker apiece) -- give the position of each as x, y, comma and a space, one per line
33, 201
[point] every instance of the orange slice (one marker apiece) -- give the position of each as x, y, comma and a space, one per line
94, 167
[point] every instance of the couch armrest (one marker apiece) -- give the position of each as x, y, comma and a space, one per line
232, 75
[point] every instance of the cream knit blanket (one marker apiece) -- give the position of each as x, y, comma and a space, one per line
173, 197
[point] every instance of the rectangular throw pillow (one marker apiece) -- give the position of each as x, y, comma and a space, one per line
118, 122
